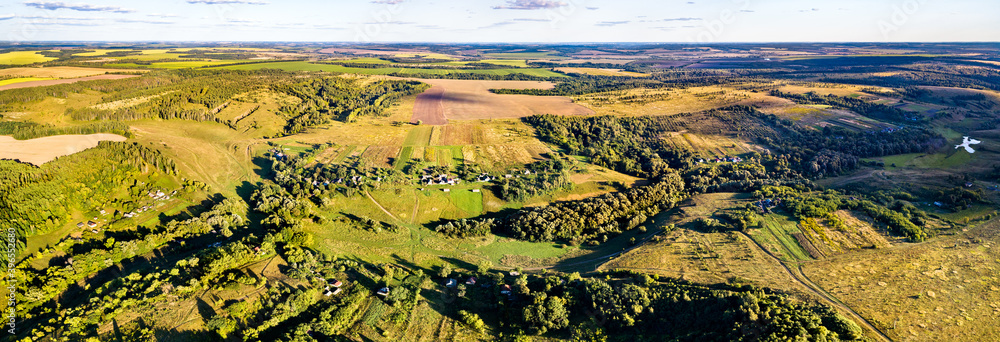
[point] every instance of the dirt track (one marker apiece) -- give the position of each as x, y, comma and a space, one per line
63, 81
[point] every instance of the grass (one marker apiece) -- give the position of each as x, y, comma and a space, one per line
943, 289
948, 160
23, 58
23, 79
471, 202
419, 136
776, 234
307, 66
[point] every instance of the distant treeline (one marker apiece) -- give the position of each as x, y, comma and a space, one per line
477, 76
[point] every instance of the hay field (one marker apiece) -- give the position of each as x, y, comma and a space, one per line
471, 100
42, 150
946, 289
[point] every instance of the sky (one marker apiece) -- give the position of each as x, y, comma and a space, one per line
540, 21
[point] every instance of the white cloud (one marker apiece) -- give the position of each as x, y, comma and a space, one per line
55, 5
530, 4
227, 2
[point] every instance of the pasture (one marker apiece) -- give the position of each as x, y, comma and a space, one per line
944, 289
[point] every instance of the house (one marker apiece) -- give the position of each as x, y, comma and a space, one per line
451, 283
91, 224
508, 176
471, 281
505, 290
336, 283
968, 184
336, 291
514, 273
79, 225
383, 291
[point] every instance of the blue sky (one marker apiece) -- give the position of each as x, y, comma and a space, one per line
502, 20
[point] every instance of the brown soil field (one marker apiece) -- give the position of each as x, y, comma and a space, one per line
60, 72
63, 81
472, 99
42, 150
429, 109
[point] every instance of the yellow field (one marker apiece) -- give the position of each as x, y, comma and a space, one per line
22, 79
636, 102
23, 57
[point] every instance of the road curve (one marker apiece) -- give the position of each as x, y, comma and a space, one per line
818, 291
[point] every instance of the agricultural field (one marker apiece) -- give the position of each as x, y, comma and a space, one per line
22, 58
640, 102
41, 150
62, 72
472, 100
41, 82
308, 66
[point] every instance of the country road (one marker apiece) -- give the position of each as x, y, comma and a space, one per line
819, 292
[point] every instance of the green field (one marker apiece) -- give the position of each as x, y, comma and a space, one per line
947, 160
23, 79
471, 202
23, 57
776, 235
307, 66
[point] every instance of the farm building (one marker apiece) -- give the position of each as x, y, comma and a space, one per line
79, 225
91, 224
